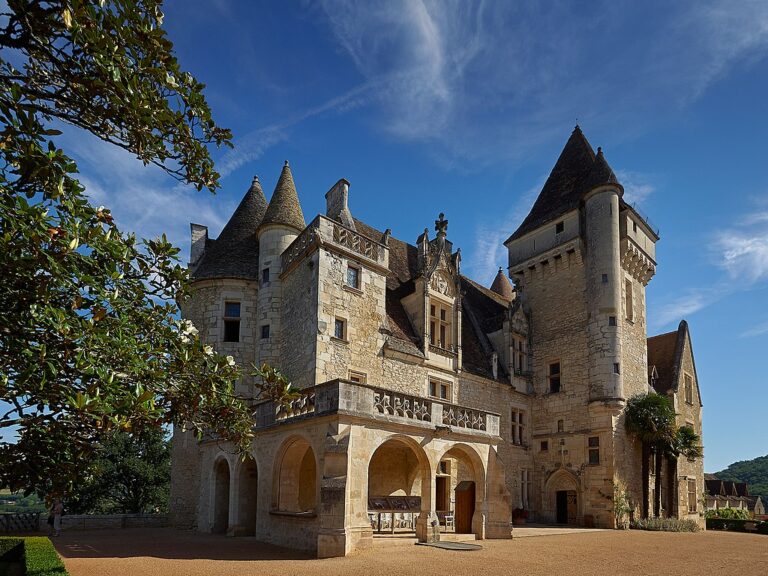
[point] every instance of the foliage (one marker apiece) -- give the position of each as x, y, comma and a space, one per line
622, 507
665, 525
19, 503
734, 525
90, 340
754, 472
729, 514
273, 385
130, 474
38, 554
652, 419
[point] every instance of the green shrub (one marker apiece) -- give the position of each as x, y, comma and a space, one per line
729, 514
39, 555
666, 525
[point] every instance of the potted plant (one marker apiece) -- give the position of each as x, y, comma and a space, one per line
519, 516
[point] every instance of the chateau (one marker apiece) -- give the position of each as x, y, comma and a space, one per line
422, 390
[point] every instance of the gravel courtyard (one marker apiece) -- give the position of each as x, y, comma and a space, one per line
166, 552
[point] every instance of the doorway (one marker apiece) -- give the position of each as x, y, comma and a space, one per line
441, 493
465, 506
566, 506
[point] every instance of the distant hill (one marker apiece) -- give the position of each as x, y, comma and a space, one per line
753, 472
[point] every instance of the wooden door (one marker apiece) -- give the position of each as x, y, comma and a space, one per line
441, 491
465, 506
571, 507
562, 506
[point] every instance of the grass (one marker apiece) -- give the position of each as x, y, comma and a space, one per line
666, 525
36, 552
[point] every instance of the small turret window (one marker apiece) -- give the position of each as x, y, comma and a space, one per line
265, 276
559, 227
353, 277
594, 450
232, 322
628, 300
340, 329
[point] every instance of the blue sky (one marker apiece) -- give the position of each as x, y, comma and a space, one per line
463, 108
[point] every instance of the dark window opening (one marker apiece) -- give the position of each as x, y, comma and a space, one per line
559, 227
339, 329
544, 445
605, 278
265, 276
231, 321
353, 277
554, 377
611, 320
594, 449
265, 331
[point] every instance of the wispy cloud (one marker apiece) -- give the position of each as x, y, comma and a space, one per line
741, 251
143, 199
757, 330
253, 144
637, 187
490, 234
492, 80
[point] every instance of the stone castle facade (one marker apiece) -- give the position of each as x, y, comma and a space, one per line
424, 390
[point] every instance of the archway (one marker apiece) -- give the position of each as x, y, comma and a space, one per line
460, 491
296, 478
247, 497
220, 497
563, 498
399, 487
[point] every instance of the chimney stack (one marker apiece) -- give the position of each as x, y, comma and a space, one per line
337, 204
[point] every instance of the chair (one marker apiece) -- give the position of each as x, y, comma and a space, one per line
450, 520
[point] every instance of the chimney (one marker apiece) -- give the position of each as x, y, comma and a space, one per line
199, 239
337, 204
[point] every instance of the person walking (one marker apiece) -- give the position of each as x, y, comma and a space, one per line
57, 511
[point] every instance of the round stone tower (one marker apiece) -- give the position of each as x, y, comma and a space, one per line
604, 281
282, 223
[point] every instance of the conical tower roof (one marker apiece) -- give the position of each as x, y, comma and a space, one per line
284, 207
564, 188
235, 254
600, 174
502, 286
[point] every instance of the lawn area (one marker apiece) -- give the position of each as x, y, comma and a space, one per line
166, 552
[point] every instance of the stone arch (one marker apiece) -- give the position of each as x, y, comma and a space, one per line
398, 466
465, 471
247, 490
295, 485
221, 488
560, 490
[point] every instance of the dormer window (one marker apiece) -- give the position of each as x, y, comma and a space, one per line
440, 315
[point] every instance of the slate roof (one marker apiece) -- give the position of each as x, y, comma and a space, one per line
665, 352
284, 207
502, 286
235, 253
577, 171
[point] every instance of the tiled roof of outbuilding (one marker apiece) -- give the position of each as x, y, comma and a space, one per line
574, 175
284, 207
235, 253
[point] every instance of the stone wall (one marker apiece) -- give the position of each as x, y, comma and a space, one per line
106, 521
298, 335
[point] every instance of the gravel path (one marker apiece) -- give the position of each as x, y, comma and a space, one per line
167, 552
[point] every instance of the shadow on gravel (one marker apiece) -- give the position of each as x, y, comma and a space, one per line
168, 543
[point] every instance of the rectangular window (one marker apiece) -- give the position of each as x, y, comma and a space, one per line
265, 331
440, 325
519, 354
616, 368
594, 450
440, 389
554, 377
231, 321
559, 227
525, 488
611, 320
445, 467
605, 278
340, 329
560, 426
353, 277
692, 496
357, 377
544, 445
265, 276
518, 426
628, 300
688, 389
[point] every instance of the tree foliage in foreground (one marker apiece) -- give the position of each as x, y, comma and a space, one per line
90, 340
129, 474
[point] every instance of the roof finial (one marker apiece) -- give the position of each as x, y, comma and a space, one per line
255, 179
441, 225
286, 164
599, 151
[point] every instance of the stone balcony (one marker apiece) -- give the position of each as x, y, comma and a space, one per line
387, 406
323, 231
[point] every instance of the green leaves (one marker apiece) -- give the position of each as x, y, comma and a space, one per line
90, 341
